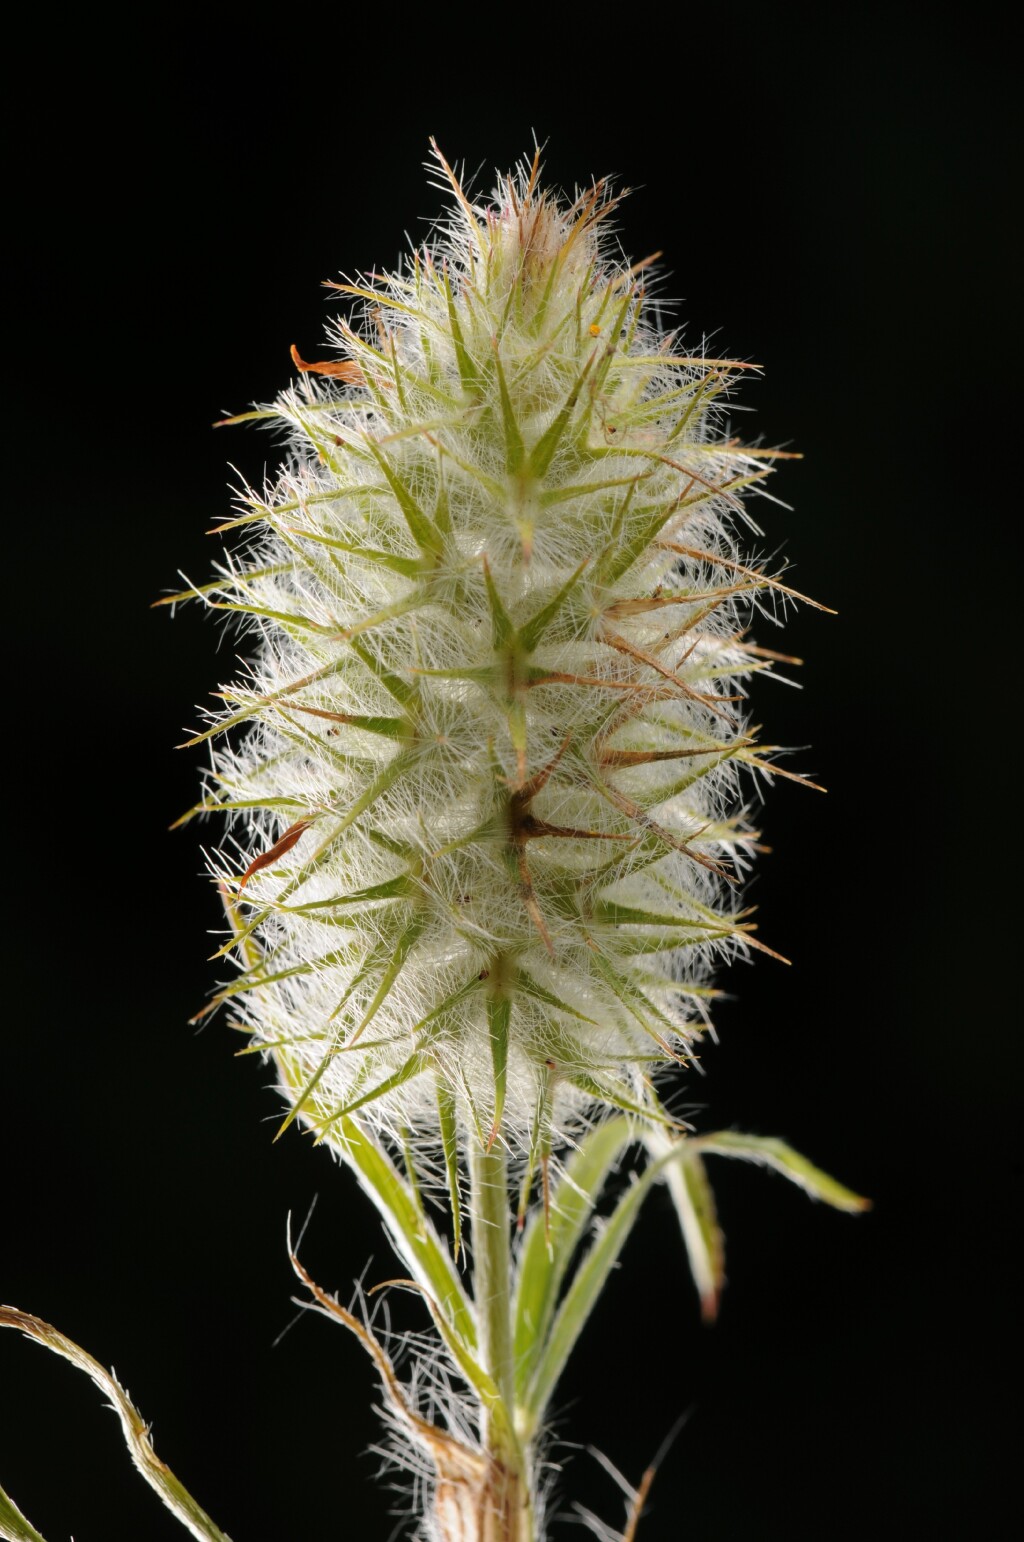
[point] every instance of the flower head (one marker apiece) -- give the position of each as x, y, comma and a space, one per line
485, 772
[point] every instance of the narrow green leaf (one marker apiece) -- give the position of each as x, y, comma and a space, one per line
766, 1151
134, 1428
694, 1201
476, 1377
552, 1240
413, 1238
585, 1290
13, 1524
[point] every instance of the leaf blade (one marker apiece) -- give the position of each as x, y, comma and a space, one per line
549, 1246
768, 1151
134, 1428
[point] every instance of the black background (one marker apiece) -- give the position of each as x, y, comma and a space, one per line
827, 193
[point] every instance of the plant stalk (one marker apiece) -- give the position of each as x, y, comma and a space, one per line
502, 1510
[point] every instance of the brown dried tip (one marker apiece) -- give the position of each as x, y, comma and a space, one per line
338, 369
284, 844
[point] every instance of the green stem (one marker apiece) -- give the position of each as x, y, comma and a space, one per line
511, 1503
491, 1286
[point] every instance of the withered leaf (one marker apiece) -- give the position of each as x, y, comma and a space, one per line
280, 846
339, 369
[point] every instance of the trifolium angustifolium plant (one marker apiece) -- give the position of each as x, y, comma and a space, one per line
490, 785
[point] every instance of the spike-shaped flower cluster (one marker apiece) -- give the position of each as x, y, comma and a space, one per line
485, 770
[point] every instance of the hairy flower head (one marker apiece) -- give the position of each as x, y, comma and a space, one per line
485, 772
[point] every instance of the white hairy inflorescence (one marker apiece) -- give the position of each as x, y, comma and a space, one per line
485, 770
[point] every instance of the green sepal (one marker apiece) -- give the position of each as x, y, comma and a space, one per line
463, 358
399, 887
403, 692
531, 632
396, 954
531, 987
424, 533
502, 630
633, 998
406, 567
543, 452
515, 450
608, 914
417, 1063
643, 528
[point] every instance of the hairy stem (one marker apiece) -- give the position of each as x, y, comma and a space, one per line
492, 1264
505, 1508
